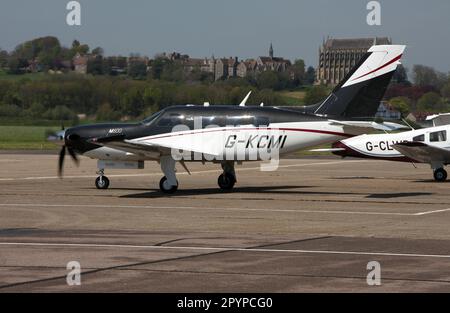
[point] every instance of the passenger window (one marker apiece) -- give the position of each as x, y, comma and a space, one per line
438, 136
213, 120
419, 138
241, 120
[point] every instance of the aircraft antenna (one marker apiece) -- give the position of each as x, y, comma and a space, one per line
242, 104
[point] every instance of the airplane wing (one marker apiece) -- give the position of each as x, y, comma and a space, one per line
119, 142
422, 152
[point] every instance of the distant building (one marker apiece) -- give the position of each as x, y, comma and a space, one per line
271, 63
80, 63
221, 69
338, 56
191, 64
232, 67
247, 67
386, 111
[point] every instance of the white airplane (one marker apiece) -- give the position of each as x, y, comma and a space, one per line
227, 134
427, 145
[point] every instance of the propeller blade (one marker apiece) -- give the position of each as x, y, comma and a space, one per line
62, 154
74, 156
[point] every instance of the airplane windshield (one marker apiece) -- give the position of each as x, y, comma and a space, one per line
151, 118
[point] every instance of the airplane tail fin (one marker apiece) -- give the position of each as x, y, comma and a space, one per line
359, 94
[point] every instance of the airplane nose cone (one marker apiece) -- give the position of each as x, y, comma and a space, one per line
71, 137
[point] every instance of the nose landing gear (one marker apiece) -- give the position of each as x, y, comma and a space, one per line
101, 182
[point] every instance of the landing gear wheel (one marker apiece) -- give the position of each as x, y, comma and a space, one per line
102, 182
226, 181
164, 186
440, 174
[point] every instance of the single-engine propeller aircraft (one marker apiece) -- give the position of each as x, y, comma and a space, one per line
228, 134
427, 145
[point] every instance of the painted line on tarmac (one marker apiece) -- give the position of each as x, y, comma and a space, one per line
218, 249
432, 212
180, 173
101, 206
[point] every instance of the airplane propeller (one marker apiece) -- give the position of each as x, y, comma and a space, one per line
62, 155
60, 139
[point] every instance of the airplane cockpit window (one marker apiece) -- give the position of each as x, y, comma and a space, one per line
419, 138
438, 136
151, 118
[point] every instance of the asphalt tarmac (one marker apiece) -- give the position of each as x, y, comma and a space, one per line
311, 226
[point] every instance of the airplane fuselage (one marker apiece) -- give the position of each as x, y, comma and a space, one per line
213, 133
382, 146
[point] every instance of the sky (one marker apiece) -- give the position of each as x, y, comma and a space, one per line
243, 28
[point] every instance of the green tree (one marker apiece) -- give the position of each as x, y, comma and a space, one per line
267, 80
3, 58
315, 94
445, 90
95, 65
106, 113
152, 96
98, 51
401, 104
428, 76
400, 75
310, 75
158, 67
431, 101
137, 69
16, 65
299, 72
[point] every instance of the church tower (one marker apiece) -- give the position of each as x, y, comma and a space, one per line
271, 51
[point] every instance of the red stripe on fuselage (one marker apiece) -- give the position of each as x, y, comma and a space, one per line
257, 128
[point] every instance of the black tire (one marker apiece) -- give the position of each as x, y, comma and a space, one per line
226, 181
103, 184
163, 189
440, 175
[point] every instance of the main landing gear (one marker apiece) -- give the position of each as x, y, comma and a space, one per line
440, 174
169, 183
101, 182
227, 179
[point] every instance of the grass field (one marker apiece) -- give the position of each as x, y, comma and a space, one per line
293, 97
25, 138
30, 76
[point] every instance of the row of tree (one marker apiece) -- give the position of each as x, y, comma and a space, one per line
113, 98
46, 51
429, 93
